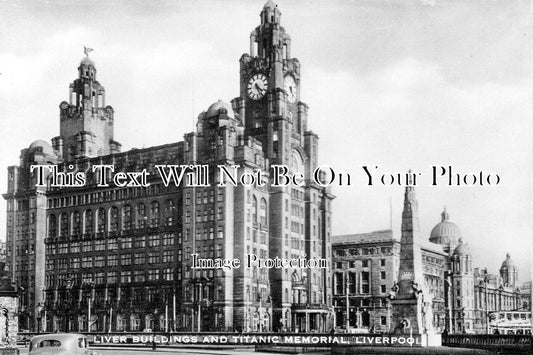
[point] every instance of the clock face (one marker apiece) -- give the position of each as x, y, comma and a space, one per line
290, 88
257, 86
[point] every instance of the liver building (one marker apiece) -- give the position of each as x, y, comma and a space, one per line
90, 258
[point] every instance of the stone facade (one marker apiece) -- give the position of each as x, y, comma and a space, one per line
120, 258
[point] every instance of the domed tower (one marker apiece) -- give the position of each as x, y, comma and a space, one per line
509, 271
86, 124
445, 233
462, 297
218, 131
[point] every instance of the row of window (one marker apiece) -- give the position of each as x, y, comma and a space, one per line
352, 264
111, 220
349, 282
363, 251
124, 276
111, 260
125, 243
105, 196
361, 302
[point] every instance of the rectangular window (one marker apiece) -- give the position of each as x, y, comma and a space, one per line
382, 262
74, 263
112, 244
125, 277
153, 258
99, 261
365, 282
168, 275
140, 242
339, 285
99, 245
168, 256
112, 277
168, 239
153, 241
383, 275
139, 259
139, 276
87, 246
351, 282
153, 275
99, 278
125, 243
112, 260
87, 262
125, 259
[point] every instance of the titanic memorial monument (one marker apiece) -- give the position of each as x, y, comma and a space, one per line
410, 297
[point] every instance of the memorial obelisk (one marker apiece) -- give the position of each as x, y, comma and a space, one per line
411, 301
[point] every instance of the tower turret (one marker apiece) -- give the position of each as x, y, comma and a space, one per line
86, 123
509, 271
462, 302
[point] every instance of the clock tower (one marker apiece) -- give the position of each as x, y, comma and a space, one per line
271, 111
270, 89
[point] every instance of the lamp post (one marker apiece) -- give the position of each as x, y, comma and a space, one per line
89, 306
198, 285
155, 318
347, 302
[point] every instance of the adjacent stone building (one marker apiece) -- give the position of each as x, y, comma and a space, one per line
366, 267
109, 258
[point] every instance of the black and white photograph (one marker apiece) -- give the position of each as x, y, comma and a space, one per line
291, 176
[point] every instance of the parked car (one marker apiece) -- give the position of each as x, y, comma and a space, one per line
60, 344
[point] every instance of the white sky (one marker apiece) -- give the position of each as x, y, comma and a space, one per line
401, 85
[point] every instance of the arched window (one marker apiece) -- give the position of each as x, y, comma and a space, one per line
113, 219
52, 226
64, 225
297, 162
101, 218
89, 221
263, 212
76, 223
254, 209
126, 217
